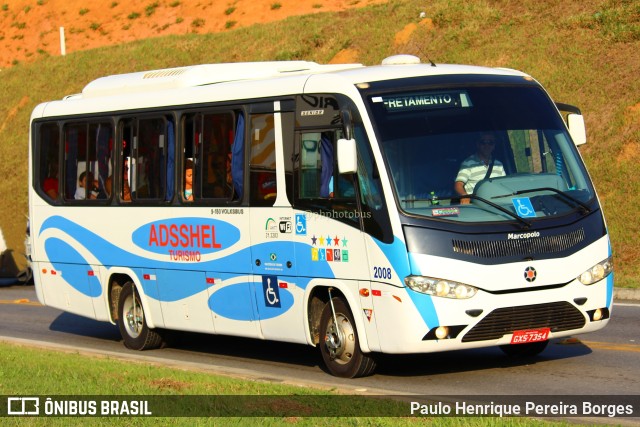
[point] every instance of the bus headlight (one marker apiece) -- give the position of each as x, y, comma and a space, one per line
440, 287
597, 272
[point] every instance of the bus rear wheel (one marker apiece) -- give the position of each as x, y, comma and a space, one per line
131, 321
339, 343
524, 350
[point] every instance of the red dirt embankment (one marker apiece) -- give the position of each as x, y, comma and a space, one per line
31, 28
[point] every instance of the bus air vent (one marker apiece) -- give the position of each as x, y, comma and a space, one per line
558, 316
519, 247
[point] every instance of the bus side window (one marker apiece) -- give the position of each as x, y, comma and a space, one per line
88, 153
318, 185
208, 143
49, 152
309, 166
263, 160
149, 164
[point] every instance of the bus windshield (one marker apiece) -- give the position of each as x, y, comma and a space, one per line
479, 153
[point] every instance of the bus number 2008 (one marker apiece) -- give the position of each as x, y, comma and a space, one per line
381, 273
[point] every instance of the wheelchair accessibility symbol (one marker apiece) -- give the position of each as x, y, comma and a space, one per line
301, 224
524, 208
271, 291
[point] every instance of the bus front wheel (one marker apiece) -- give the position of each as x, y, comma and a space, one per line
339, 343
133, 327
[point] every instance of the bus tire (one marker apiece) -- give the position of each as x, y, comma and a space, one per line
524, 350
339, 344
131, 321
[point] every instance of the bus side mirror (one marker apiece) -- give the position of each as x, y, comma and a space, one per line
347, 123
347, 156
575, 123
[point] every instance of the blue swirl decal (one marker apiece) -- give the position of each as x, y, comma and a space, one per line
179, 280
75, 273
232, 302
186, 234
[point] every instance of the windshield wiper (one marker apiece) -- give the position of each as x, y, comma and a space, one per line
584, 208
526, 224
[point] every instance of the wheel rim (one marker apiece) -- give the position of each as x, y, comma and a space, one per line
340, 340
133, 316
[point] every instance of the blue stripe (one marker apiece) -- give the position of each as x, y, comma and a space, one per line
403, 265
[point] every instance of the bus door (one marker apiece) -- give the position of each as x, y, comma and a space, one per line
342, 212
277, 294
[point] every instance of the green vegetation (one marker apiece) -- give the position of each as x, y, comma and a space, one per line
197, 23
230, 10
37, 372
580, 51
151, 8
275, 6
83, 11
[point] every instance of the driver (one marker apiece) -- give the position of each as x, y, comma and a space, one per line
480, 165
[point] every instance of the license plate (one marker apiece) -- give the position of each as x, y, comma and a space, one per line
530, 335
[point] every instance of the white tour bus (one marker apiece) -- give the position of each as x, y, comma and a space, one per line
400, 208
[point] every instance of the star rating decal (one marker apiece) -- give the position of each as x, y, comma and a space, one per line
328, 248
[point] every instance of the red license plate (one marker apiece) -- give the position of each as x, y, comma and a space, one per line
530, 335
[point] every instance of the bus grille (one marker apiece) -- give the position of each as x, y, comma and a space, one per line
558, 316
519, 247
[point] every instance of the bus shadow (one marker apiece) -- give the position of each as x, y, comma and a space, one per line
459, 361
77, 325
450, 362
246, 348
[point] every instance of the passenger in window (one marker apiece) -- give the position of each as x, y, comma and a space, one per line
229, 183
50, 183
126, 191
480, 165
188, 181
81, 189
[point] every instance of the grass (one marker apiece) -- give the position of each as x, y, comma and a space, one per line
35, 372
582, 52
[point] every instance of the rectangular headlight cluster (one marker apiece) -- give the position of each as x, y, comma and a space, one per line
440, 287
597, 272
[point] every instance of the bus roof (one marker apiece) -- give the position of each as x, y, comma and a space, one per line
206, 74
244, 80
398, 66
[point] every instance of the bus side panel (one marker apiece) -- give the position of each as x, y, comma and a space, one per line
280, 304
232, 304
68, 287
184, 300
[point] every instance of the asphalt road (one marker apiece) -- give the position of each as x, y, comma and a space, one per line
601, 363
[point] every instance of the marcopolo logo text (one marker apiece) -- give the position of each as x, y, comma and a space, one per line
519, 236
